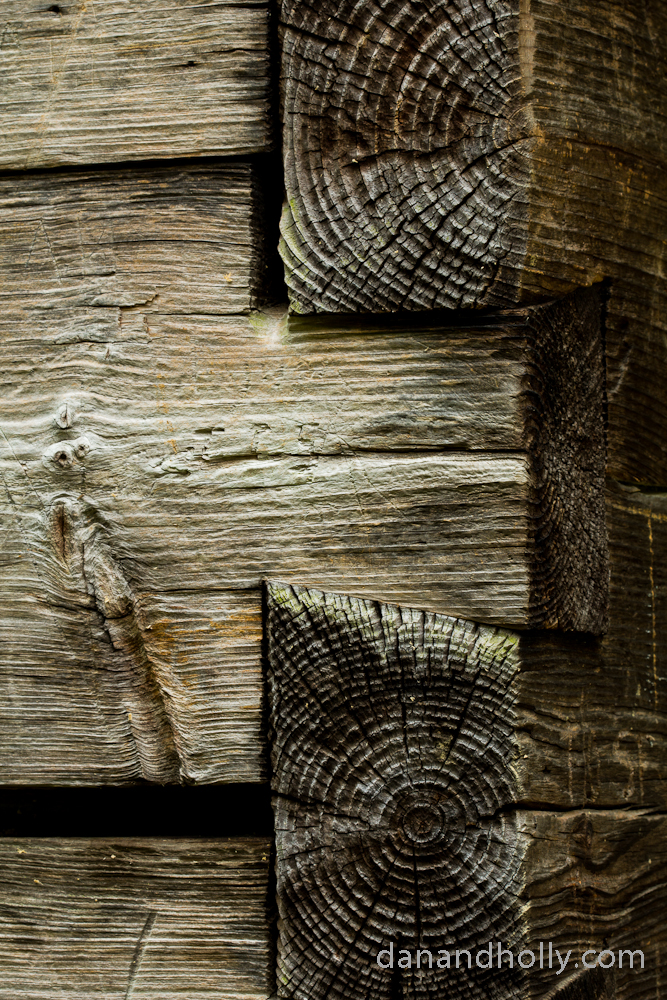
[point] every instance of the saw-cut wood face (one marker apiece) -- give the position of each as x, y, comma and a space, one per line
393, 751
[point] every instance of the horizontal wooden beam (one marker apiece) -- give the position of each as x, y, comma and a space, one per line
331, 455
125, 917
95, 83
85, 255
591, 714
175, 695
456, 155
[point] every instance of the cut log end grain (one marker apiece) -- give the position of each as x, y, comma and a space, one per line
406, 146
392, 747
402, 783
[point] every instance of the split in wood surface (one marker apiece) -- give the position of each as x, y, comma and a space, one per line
467, 153
111, 80
130, 918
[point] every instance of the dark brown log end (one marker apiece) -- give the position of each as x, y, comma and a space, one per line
407, 151
392, 755
564, 410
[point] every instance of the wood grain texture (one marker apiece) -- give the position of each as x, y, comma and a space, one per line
398, 767
141, 383
594, 712
132, 918
596, 879
111, 80
479, 154
391, 754
87, 254
170, 692
405, 152
164, 447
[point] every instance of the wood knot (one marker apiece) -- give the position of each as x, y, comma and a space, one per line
64, 418
67, 454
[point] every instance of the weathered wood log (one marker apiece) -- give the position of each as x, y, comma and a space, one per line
457, 154
85, 255
161, 453
142, 917
596, 879
594, 712
140, 390
88, 83
398, 776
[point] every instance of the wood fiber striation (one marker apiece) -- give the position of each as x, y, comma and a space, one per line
187, 446
135, 917
564, 434
405, 153
392, 751
80, 570
99, 81
469, 154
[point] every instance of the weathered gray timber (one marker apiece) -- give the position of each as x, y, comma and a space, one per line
164, 448
92, 82
330, 456
467, 153
85, 255
397, 773
131, 918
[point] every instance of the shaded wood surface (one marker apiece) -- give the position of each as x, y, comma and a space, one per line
111, 80
397, 770
479, 154
594, 712
143, 917
596, 879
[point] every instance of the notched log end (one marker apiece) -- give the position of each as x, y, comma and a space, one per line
407, 155
564, 406
392, 749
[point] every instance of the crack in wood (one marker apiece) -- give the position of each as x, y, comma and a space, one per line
139, 951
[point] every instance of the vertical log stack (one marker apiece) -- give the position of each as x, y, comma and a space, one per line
437, 783
107, 253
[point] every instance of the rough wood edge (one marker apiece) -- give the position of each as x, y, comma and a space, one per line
564, 411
